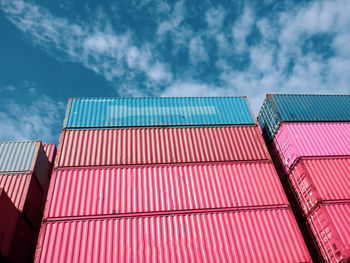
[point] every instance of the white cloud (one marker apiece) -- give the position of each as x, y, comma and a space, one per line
277, 63
242, 28
193, 89
283, 35
31, 121
159, 73
7, 88
96, 45
214, 18
197, 51
174, 19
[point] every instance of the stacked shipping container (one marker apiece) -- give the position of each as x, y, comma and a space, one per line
24, 178
165, 179
309, 136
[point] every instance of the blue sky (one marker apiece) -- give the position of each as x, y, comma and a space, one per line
53, 50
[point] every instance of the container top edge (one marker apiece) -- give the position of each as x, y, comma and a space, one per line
192, 97
304, 94
240, 125
21, 141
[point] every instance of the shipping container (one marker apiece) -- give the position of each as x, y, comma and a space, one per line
279, 108
260, 235
160, 145
330, 223
24, 157
24, 242
316, 180
295, 140
50, 150
8, 220
157, 112
25, 193
150, 189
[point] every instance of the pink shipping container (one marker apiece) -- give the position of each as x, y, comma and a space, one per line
160, 145
175, 188
330, 224
294, 140
260, 235
316, 180
24, 242
25, 193
8, 221
50, 150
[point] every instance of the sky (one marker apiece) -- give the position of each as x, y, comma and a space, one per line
53, 50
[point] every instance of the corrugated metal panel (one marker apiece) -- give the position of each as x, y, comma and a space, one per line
8, 221
24, 242
50, 150
249, 236
160, 145
16, 186
302, 108
18, 156
141, 112
104, 191
316, 180
25, 192
331, 226
294, 140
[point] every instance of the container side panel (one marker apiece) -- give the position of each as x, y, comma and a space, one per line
330, 177
18, 156
23, 243
50, 150
102, 191
140, 112
25, 193
313, 107
42, 168
160, 145
340, 216
8, 221
330, 225
16, 186
294, 140
319, 180
301, 108
268, 120
255, 236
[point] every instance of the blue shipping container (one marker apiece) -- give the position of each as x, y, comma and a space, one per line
157, 112
279, 108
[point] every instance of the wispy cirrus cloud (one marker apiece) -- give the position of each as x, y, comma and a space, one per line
36, 118
207, 49
95, 43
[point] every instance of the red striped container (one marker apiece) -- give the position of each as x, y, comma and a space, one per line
50, 150
24, 241
25, 193
295, 140
107, 147
261, 235
8, 220
317, 180
158, 189
330, 224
